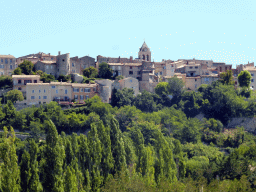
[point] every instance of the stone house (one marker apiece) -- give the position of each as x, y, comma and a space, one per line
20, 81
128, 82
192, 83
105, 89
37, 57
79, 64
208, 79
81, 92
49, 67
7, 64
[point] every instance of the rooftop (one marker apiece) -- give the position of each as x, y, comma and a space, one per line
7, 56
25, 76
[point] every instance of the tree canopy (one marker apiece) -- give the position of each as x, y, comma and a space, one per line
14, 95
105, 71
244, 79
90, 72
26, 67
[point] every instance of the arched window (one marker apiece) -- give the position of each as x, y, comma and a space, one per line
147, 57
143, 57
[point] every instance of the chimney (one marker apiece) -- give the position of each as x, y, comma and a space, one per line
49, 54
59, 52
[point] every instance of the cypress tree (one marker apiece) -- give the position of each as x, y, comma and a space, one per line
25, 173
70, 180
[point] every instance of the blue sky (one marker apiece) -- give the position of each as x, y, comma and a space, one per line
221, 30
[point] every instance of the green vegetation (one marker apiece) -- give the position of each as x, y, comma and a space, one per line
14, 95
90, 72
5, 82
244, 79
105, 71
26, 67
148, 142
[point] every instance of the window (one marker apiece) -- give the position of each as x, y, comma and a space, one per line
33, 91
27, 81
73, 65
10, 60
196, 67
66, 91
75, 96
87, 97
94, 89
51, 58
6, 61
87, 90
190, 67
44, 90
206, 79
164, 67
51, 67
39, 97
57, 91
10, 66
39, 91
206, 62
138, 72
76, 90
63, 60
32, 97
46, 66
19, 81
161, 73
195, 79
130, 72
2, 66
19, 88
44, 97
81, 90
119, 67
195, 85
119, 73
172, 65
130, 67
81, 97
131, 80
252, 80
252, 74
35, 81
53, 87
2, 60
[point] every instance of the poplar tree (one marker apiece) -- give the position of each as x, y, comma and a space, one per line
25, 171
54, 155
95, 158
70, 180
84, 160
10, 173
117, 146
34, 183
107, 162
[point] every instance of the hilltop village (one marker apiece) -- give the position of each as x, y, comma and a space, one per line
139, 74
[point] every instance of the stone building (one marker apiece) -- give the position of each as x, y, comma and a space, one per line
49, 67
79, 64
105, 89
7, 64
37, 57
144, 53
61, 92
20, 81
128, 82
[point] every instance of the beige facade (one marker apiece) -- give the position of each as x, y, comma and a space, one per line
208, 79
192, 83
128, 82
20, 81
7, 64
252, 71
38, 93
48, 67
81, 92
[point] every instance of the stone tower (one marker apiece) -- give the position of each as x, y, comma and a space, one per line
144, 53
63, 64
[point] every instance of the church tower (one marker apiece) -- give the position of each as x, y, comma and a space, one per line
144, 53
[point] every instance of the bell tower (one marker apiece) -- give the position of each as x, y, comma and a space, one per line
144, 53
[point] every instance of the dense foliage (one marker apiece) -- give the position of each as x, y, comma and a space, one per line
148, 142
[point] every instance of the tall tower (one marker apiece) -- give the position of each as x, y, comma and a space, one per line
63, 64
144, 53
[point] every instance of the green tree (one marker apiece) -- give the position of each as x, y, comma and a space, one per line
14, 95
10, 114
64, 78
17, 71
123, 97
244, 79
6, 81
119, 77
26, 67
70, 180
145, 102
90, 72
25, 173
175, 86
10, 173
46, 78
52, 162
226, 78
105, 71
161, 88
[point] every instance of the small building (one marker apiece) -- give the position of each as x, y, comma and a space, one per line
7, 64
81, 92
128, 82
20, 81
